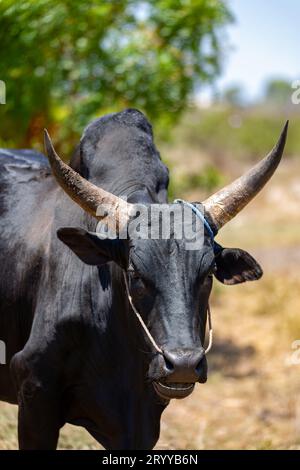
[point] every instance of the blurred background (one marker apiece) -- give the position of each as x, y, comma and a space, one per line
216, 79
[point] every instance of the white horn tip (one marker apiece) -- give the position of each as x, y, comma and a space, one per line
47, 143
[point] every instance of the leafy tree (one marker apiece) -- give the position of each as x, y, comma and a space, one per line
66, 61
234, 96
278, 92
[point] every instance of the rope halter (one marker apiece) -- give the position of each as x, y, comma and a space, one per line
209, 317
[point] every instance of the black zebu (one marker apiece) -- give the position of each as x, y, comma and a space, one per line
75, 349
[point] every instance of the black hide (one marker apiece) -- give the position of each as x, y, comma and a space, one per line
75, 351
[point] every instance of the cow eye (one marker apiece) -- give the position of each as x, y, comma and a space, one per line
136, 277
134, 274
137, 285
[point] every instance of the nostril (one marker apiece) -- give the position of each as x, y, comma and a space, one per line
169, 365
200, 362
183, 365
199, 366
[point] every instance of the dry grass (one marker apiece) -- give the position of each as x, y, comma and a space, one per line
252, 397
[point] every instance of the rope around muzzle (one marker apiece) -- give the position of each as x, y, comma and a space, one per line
150, 337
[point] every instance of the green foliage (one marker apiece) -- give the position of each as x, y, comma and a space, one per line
65, 62
278, 91
233, 96
205, 182
224, 132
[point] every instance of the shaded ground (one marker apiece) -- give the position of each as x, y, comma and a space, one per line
252, 397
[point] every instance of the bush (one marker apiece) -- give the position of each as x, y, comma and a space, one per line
66, 62
246, 134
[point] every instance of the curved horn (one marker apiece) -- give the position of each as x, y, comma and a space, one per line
229, 201
88, 196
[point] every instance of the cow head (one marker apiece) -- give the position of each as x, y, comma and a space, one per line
169, 284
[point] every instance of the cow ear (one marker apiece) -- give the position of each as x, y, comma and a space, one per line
91, 248
234, 266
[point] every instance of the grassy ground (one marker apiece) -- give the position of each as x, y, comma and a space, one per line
252, 397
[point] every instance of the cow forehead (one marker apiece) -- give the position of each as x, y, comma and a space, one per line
169, 257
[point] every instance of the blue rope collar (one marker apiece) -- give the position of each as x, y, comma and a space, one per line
216, 246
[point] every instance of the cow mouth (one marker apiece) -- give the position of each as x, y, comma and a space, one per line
173, 390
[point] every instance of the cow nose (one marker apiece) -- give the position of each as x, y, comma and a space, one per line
185, 366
